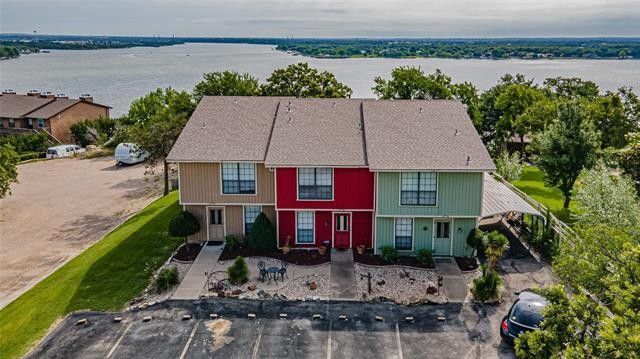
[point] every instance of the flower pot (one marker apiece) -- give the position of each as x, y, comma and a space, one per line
322, 250
360, 249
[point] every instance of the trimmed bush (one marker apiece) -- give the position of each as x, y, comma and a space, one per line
231, 242
487, 286
388, 254
475, 240
238, 271
167, 278
425, 257
184, 224
263, 234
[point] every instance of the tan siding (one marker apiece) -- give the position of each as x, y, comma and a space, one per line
270, 212
61, 123
233, 216
200, 212
200, 183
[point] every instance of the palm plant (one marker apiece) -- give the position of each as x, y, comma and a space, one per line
496, 244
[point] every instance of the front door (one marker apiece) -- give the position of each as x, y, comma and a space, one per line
442, 238
216, 224
342, 230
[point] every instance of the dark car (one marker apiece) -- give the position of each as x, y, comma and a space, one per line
525, 315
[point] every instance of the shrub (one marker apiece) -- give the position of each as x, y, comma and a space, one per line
263, 234
94, 131
486, 287
475, 240
183, 224
496, 243
388, 254
238, 271
509, 166
425, 257
231, 242
167, 278
29, 156
36, 142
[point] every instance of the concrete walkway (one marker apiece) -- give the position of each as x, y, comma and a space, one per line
454, 284
343, 284
192, 284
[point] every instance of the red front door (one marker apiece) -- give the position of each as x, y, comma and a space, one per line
341, 230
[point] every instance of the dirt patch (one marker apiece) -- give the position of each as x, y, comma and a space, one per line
220, 328
188, 253
466, 263
298, 256
369, 258
59, 208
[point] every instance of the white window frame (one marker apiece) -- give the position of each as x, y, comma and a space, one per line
41, 121
244, 217
418, 205
313, 222
413, 234
309, 199
255, 179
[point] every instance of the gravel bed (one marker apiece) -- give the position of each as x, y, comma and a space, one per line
392, 284
150, 294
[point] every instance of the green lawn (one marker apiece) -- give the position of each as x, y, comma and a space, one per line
104, 277
532, 182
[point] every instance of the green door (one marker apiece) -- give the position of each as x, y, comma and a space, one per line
442, 238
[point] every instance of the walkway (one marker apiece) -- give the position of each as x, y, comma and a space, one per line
454, 284
192, 284
343, 284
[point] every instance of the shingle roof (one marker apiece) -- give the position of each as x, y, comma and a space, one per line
16, 106
317, 132
52, 108
422, 135
227, 129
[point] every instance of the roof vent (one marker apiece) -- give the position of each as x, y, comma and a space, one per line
289, 120
204, 125
420, 109
235, 101
334, 104
468, 160
456, 132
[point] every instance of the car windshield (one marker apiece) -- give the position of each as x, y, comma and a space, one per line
527, 314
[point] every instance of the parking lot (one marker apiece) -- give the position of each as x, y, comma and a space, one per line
443, 331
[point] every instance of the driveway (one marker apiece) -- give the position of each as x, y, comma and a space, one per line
58, 209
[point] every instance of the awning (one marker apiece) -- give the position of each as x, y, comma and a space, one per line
500, 199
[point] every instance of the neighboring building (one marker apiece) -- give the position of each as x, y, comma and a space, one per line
407, 174
53, 114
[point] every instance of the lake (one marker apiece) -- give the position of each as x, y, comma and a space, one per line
117, 76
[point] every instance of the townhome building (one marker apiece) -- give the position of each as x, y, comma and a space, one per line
335, 172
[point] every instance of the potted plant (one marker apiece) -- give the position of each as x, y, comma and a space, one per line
322, 250
360, 249
287, 246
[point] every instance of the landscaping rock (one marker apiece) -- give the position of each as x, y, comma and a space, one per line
252, 287
82, 321
236, 292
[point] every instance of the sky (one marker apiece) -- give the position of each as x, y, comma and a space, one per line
324, 18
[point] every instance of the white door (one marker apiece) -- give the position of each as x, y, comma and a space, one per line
216, 223
442, 238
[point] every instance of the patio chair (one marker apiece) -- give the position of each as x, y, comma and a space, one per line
263, 271
283, 269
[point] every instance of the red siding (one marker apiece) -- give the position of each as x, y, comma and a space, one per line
353, 189
286, 227
362, 227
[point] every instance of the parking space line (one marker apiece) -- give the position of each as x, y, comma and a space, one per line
115, 346
398, 340
257, 344
186, 346
329, 341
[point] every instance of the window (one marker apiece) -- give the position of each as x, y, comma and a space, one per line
250, 214
29, 123
238, 178
418, 188
12, 123
442, 229
215, 216
342, 223
404, 234
40, 123
304, 227
315, 183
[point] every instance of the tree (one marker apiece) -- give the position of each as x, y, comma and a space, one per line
629, 159
513, 103
572, 88
263, 234
496, 244
509, 166
156, 122
184, 224
475, 240
8, 168
608, 115
238, 271
300, 80
226, 83
567, 147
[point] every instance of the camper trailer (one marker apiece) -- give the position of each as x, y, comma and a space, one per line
63, 151
129, 154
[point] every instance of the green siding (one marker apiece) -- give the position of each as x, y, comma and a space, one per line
423, 238
459, 194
